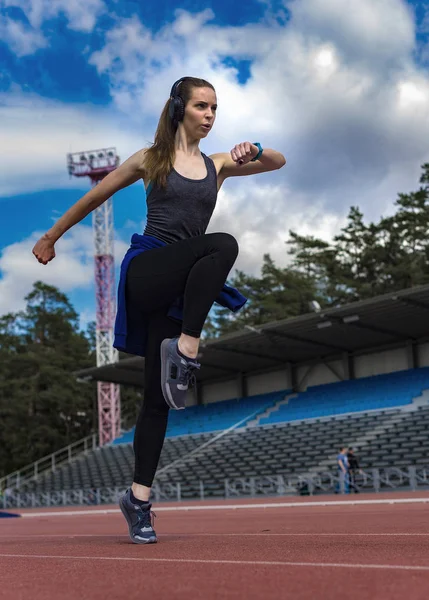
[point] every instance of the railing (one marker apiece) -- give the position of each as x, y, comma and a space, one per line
411, 478
16, 479
84, 497
64, 455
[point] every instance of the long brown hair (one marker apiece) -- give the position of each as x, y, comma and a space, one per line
159, 158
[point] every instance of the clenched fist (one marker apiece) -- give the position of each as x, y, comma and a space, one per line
44, 250
244, 152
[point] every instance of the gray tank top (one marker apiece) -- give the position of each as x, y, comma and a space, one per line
183, 209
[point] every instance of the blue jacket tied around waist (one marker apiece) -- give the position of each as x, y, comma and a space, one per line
134, 342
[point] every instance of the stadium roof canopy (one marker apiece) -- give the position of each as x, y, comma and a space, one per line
381, 322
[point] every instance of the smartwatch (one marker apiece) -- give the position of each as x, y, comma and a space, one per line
259, 153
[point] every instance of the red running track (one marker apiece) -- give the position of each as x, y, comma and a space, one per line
307, 551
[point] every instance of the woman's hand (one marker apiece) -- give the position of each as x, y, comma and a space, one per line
244, 152
44, 249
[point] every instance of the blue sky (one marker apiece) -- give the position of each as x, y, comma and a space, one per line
62, 70
341, 88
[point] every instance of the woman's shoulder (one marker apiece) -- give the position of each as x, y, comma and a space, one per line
218, 160
142, 155
137, 160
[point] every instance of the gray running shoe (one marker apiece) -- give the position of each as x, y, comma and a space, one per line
139, 520
177, 374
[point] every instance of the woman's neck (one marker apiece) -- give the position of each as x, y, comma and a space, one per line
186, 146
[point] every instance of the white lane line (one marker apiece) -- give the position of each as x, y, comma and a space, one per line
106, 511
270, 563
14, 536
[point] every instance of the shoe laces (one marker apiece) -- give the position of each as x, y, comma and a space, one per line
146, 518
187, 375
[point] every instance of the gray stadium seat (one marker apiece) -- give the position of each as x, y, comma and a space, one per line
283, 448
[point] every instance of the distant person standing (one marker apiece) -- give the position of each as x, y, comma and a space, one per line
343, 474
354, 469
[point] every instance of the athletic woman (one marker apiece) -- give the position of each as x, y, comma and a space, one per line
174, 272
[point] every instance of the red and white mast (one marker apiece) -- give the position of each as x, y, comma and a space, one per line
96, 164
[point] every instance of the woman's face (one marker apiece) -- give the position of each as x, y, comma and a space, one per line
200, 112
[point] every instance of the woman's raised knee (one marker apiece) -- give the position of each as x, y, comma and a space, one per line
226, 243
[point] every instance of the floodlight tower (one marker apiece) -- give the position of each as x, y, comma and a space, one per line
96, 164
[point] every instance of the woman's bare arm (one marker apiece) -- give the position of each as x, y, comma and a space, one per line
130, 171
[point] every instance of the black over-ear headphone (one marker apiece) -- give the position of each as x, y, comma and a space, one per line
176, 108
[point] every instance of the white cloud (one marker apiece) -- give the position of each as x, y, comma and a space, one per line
21, 38
71, 269
80, 14
27, 38
262, 224
38, 133
374, 33
336, 89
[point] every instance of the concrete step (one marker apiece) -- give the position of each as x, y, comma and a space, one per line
255, 422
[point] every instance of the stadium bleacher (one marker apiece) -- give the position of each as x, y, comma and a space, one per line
369, 393
214, 417
378, 415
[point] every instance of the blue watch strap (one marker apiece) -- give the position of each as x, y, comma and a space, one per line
259, 153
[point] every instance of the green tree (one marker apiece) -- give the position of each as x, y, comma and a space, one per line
277, 294
42, 406
365, 260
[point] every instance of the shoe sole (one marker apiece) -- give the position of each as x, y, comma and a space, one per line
166, 392
151, 540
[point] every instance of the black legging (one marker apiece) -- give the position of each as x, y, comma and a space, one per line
196, 268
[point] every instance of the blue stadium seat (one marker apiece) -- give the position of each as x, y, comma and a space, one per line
215, 416
369, 393
358, 395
